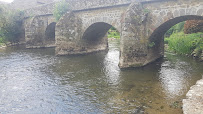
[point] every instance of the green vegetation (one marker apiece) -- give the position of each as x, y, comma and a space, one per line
146, 11
151, 44
60, 9
175, 29
113, 33
10, 24
182, 43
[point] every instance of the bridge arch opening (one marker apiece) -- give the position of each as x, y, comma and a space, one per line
157, 37
96, 36
50, 34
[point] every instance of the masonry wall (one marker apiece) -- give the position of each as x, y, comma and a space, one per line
85, 31
146, 24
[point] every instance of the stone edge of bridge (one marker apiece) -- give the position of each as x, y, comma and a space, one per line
193, 104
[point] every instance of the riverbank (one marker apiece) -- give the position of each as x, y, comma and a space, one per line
193, 104
186, 44
2, 46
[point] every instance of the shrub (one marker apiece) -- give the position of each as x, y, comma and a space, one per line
193, 26
10, 22
175, 29
113, 33
185, 43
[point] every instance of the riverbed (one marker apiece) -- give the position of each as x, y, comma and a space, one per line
35, 81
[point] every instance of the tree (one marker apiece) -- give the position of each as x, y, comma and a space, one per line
60, 9
10, 24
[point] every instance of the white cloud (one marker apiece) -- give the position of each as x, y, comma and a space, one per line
9, 1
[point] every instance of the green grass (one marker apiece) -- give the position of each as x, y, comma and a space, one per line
181, 43
1, 41
113, 34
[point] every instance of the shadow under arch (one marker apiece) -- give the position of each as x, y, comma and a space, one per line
50, 33
95, 36
96, 31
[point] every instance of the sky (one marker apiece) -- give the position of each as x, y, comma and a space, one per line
9, 1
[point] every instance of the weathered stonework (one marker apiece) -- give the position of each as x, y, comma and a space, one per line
85, 31
35, 29
142, 27
193, 104
145, 24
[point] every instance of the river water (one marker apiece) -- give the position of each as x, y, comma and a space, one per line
34, 81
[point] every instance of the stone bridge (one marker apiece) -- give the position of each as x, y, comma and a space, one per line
141, 23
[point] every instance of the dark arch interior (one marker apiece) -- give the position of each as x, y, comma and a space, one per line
50, 32
95, 37
96, 31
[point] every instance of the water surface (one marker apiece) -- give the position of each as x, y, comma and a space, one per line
35, 81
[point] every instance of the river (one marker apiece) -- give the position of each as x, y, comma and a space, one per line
35, 81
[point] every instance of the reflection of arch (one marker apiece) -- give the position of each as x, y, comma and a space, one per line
50, 32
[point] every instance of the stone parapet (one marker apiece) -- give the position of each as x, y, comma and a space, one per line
78, 5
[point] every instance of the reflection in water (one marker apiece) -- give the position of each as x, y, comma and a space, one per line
111, 68
173, 78
174, 75
35, 81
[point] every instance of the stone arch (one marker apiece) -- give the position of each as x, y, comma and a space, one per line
106, 20
145, 24
157, 36
162, 19
35, 32
76, 35
95, 36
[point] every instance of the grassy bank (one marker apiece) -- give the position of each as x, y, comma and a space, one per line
113, 34
186, 44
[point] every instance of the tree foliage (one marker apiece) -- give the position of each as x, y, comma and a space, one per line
10, 24
60, 9
193, 26
175, 29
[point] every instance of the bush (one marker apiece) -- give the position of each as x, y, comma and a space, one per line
10, 24
193, 26
113, 33
175, 29
60, 9
185, 43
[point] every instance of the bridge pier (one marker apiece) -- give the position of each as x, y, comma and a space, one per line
137, 48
